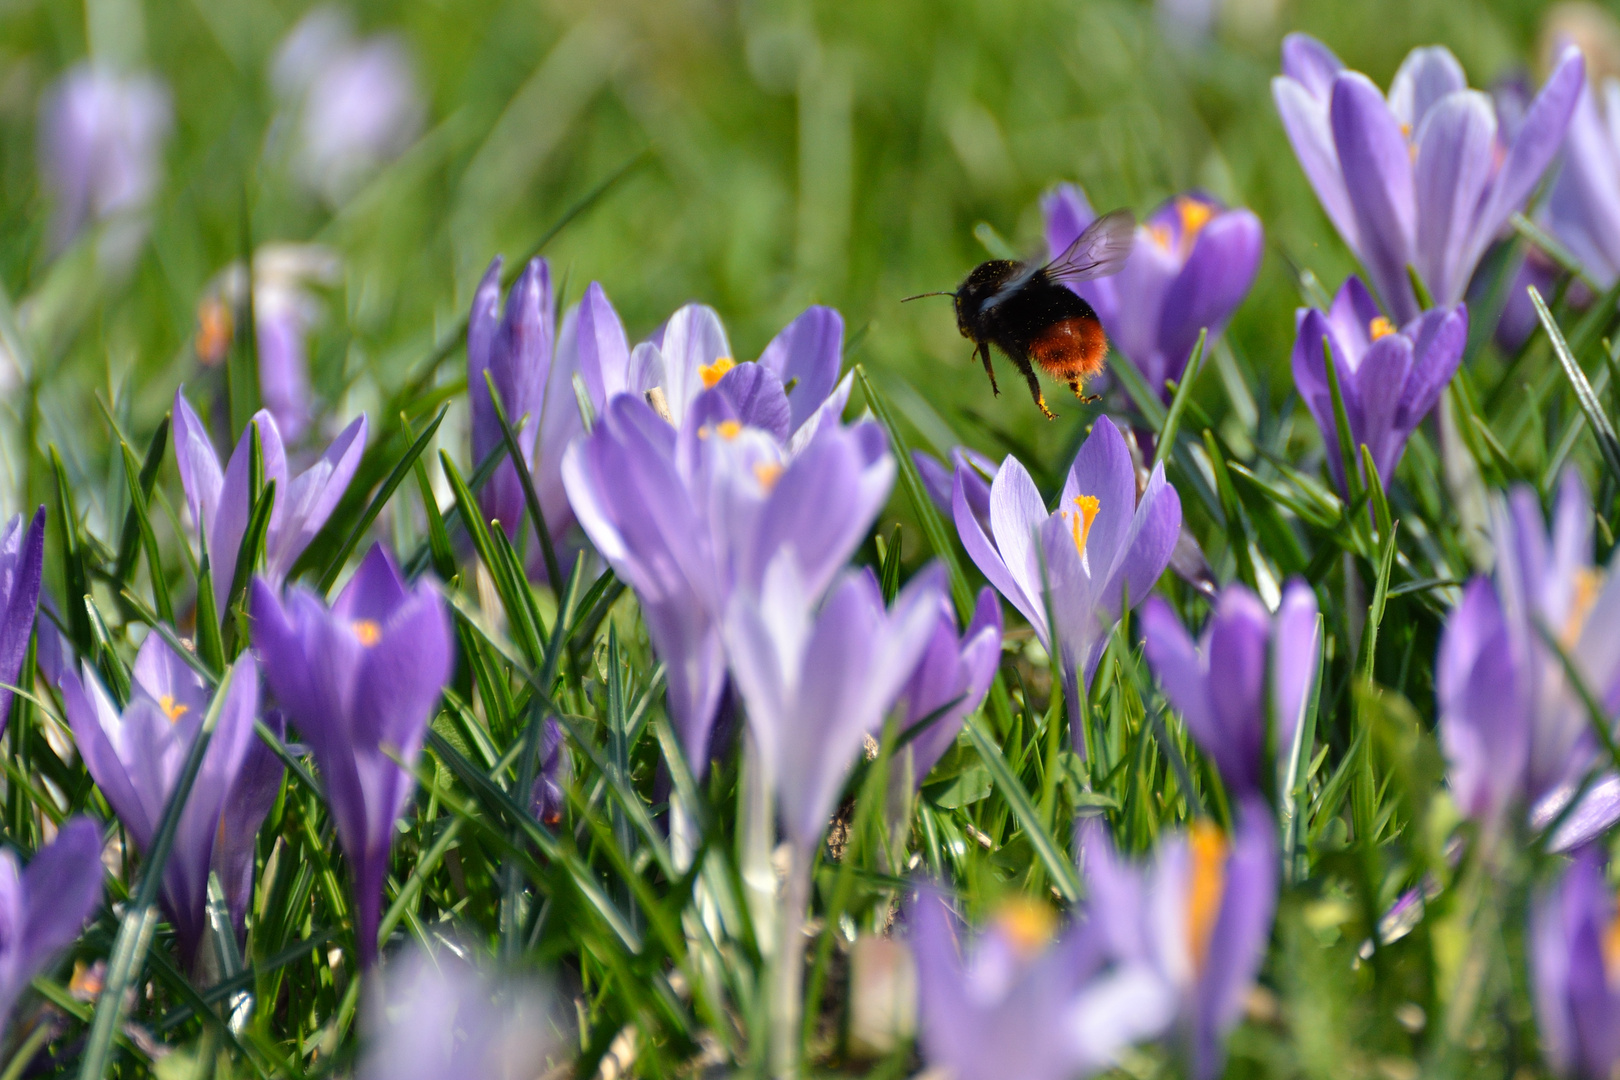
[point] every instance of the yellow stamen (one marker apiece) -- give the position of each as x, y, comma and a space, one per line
1027, 925
1380, 327
215, 327
367, 631
1588, 583
1160, 234
172, 708
86, 981
713, 373
1611, 950
1195, 214
1080, 523
767, 473
728, 429
1206, 888
1406, 132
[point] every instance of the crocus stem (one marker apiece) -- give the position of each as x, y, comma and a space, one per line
787, 1002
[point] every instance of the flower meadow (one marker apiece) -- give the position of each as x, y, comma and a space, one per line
494, 585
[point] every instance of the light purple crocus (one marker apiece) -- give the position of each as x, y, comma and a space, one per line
1219, 685
44, 907
355, 103
220, 500
951, 678
135, 755
440, 1017
1583, 209
1020, 1000
22, 566
101, 138
1191, 267
1389, 379
1200, 915
360, 680
1514, 729
939, 479
817, 682
1082, 560
687, 517
1423, 181
1575, 971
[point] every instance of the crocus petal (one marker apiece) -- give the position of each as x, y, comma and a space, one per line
1310, 63
756, 399
1102, 470
22, 567
1425, 78
1380, 380
235, 500
63, 888
1483, 718
1456, 147
1295, 649
200, 473
1180, 670
310, 499
1146, 551
692, 340
1304, 113
1214, 281
1238, 636
807, 354
1016, 510
604, 350
1378, 176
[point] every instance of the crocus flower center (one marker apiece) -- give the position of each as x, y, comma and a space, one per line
1194, 214
367, 631
1080, 521
215, 327
1027, 925
713, 373
1588, 583
767, 473
727, 429
1611, 950
172, 708
1205, 889
1380, 328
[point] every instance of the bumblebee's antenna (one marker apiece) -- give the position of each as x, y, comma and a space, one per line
920, 295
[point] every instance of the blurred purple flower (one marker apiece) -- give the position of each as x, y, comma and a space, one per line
361, 680
101, 146
687, 517
1389, 379
251, 798
546, 798
220, 501
22, 566
1200, 916
1082, 560
1219, 684
44, 907
440, 1017
1519, 319
940, 478
1192, 265
1513, 727
135, 758
951, 678
355, 103
1424, 180
816, 682
1575, 971
1583, 210
1019, 1002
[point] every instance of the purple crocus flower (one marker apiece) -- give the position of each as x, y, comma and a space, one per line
44, 907
1389, 379
22, 565
440, 1017
252, 796
686, 517
1484, 706
940, 479
360, 679
1219, 684
1200, 916
1191, 267
1424, 180
101, 146
1575, 971
816, 683
1021, 1001
355, 102
952, 675
219, 500
136, 756
1081, 560
1583, 209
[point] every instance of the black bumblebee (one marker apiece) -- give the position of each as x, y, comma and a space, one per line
1027, 311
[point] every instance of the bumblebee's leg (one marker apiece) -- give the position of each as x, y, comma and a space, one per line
1034, 386
1079, 392
980, 348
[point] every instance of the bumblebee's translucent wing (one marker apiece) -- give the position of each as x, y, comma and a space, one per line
1099, 251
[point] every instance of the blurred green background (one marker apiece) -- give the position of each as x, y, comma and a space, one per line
798, 152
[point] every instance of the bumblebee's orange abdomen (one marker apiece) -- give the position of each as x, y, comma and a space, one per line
1071, 349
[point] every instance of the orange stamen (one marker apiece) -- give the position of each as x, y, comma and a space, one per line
172, 708
1380, 328
1206, 888
713, 373
367, 631
1080, 523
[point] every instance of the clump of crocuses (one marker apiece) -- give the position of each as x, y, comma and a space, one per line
136, 754
360, 680
1081, 561
1190, 268
1389, 377
1421, 182
1219, 685
44, 907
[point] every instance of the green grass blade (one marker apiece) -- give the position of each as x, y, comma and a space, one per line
1058, 867
1178, 403
1608, 443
